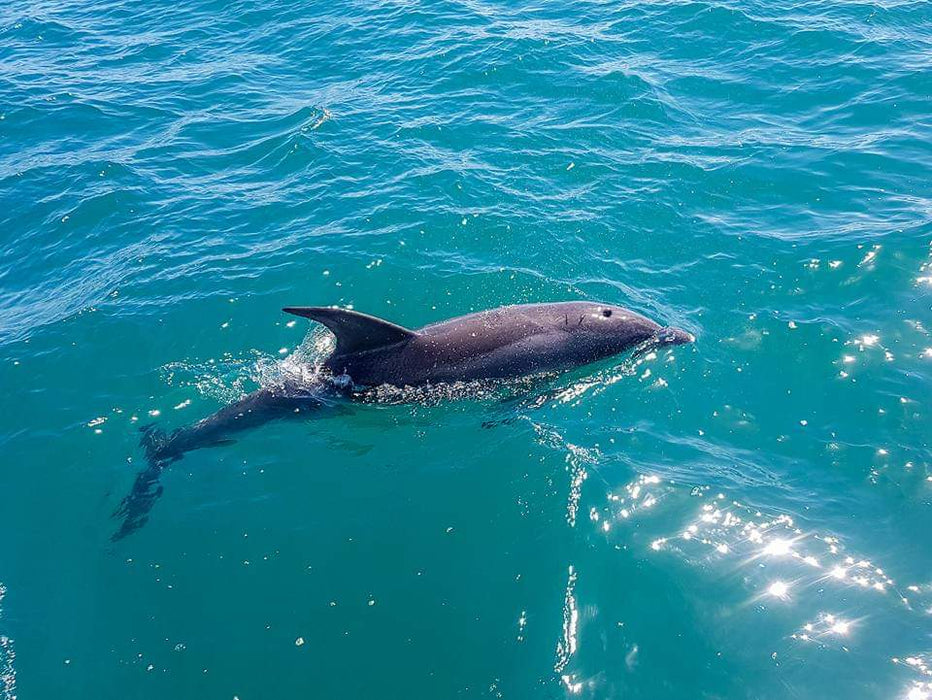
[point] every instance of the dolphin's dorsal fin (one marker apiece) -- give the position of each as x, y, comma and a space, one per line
355, 332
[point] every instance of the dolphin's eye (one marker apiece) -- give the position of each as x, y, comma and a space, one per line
606, 312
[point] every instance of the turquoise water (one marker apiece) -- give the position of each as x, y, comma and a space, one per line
746, 517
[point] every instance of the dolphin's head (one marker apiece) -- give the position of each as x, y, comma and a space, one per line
605, 330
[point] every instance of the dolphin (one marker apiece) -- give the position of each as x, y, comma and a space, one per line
502, 343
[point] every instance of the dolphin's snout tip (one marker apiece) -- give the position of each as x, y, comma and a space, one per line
675, 336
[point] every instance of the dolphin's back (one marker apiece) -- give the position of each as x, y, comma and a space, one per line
506, 342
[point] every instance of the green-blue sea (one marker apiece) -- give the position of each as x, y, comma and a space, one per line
745, 517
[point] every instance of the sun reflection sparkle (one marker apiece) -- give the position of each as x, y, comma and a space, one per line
779, 589
734, 531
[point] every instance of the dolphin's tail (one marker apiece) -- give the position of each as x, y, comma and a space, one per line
135, 506
155, 442
161, 448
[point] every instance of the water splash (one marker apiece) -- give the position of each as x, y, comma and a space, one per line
231, 377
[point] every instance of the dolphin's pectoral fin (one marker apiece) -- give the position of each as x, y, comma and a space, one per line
222, 442
488, 424
355, 332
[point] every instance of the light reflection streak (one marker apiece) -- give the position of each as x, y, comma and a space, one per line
568, 645
577, 460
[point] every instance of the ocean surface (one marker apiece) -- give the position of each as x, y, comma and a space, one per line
749, 516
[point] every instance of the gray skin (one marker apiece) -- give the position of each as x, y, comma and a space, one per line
511, 341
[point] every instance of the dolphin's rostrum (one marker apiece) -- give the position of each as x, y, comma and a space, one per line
510, 341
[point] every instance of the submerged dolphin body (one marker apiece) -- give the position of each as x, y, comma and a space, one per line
512, 341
